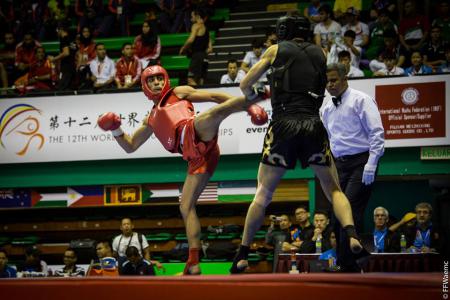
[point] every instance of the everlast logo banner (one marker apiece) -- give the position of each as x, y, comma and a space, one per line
412, 111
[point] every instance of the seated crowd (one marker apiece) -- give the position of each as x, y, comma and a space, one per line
129, 252
395, 39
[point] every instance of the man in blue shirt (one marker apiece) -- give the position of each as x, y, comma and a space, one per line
382, 239
356, 135
422, 237
5, 270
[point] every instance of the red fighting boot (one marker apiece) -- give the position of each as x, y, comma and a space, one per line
192, 265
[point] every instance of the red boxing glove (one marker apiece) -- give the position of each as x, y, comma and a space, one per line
258, 115
109, 121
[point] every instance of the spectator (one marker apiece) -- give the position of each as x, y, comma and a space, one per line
41, 75
443, 19
32, 14
151, 16
330, 254
129, 238
413, 29
5, 270
58, 12
3, 79
361, 29
341, 6
128, 69
271, 38
121, 11
70, 268
348, 45
232, 76
322, 231
445, 67
66, 58
300, 233
83, 57
312, 12
252, 57
382, 239
135, 264
434, 50
147, 46
104, 250
86, 49
6, 16
90, 14
8, 57
106, 265
328, 30
171, 16
344, 58
102, 69
417, 65
26, 53
423, 237
391, 48
276, 236
390, 66
383, 24
33, 266
386, 6
200, 45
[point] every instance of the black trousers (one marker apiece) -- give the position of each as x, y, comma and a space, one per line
350, 170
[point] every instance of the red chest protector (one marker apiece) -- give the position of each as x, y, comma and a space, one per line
167, 116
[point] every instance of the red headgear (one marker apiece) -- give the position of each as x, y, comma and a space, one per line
152, 71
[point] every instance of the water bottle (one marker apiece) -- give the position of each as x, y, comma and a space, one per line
402, 243
294, 269
319, 244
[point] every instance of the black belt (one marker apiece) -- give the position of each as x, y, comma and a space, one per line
344, 158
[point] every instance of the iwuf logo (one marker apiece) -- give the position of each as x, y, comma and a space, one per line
19, 129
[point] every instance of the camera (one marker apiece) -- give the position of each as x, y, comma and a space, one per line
275, 219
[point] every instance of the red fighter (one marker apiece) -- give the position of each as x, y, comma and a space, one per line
174, 123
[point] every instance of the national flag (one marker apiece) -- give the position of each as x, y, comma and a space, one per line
209, 194
122, 195
50, 197
10, 198
236, 191
85, 196
164, 192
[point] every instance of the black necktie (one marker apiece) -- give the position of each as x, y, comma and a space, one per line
336, 100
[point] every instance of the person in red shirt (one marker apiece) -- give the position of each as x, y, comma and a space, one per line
128, 68
40, 76
175, 124
414, 28
147, 46
26, 52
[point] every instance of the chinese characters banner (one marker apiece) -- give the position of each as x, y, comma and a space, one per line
415, 110
64, 128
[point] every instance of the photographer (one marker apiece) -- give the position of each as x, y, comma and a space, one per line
277, 234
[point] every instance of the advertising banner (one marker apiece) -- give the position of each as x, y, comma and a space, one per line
414, 111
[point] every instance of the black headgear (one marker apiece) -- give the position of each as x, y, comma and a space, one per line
289, 27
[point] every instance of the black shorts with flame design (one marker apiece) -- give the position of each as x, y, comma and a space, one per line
290, 139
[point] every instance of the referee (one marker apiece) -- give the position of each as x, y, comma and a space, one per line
356, 135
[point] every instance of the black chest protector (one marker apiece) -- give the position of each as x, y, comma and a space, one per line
298, 75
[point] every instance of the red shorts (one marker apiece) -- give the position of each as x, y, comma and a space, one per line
202, 157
